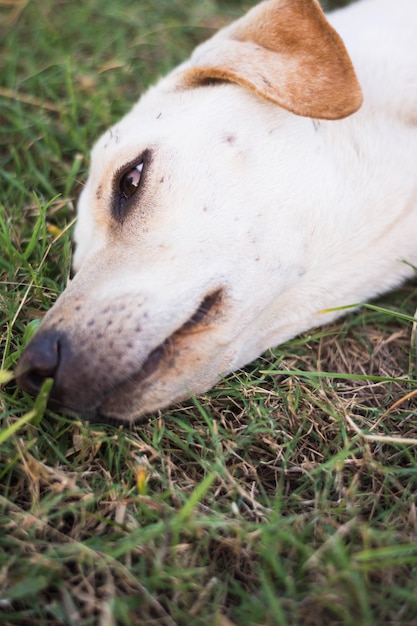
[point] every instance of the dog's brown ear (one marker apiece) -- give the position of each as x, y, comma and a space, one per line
286, 52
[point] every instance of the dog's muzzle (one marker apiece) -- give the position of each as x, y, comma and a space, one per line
51, 354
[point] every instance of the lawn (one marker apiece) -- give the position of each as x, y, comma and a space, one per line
284, 496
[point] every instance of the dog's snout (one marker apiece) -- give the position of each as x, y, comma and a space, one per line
39, 361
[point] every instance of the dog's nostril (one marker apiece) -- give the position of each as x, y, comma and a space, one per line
39, 361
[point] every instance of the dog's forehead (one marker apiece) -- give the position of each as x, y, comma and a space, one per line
171, 117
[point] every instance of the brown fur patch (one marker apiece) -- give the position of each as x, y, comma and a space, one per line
287, 53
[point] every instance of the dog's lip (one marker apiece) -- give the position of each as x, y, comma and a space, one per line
199, 321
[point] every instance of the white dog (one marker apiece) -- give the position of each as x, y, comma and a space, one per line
244, 194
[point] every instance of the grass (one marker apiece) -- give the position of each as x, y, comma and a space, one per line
284, 496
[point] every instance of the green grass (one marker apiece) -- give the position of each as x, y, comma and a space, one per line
284, 496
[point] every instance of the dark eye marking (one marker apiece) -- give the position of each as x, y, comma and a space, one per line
126, 185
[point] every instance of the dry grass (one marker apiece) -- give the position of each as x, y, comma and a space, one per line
284, 496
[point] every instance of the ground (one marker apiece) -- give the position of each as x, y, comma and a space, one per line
286, 495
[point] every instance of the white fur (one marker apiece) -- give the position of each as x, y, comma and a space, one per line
288, 216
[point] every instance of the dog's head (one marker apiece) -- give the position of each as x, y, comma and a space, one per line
194, 239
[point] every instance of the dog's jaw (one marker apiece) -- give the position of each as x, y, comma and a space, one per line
129, 379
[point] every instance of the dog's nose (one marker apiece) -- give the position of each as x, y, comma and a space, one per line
39, 361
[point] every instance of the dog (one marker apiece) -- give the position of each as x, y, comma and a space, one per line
270, 178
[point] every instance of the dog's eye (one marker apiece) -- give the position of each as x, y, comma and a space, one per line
129, 182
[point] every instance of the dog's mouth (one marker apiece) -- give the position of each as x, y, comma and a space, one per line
44, 356
200, 321
164, 355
